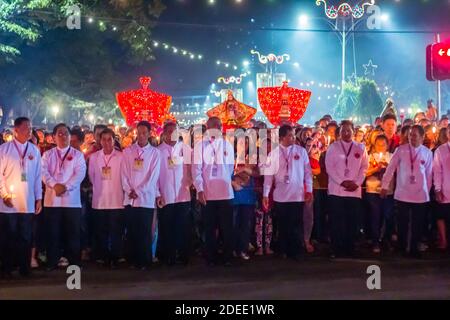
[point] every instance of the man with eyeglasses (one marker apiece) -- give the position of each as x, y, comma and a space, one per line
63, 170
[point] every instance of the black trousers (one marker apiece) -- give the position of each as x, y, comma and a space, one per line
290, 227
344, 223
218, 215
410, 215
109, 231
63, 223
139, 235
321, 226
15, 241
174, 231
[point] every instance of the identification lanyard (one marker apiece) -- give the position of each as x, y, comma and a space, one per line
139, 154
286, 159
412, 159
61, 160
347, 153
22, 156
109, 160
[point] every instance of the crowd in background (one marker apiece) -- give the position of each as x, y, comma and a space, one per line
247, 221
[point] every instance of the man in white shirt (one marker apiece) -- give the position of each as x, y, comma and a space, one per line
346, 163
21, 192
441, 178
140, 174
413, 164
63, 170
107, 198
212, 171
175, 180
293, 187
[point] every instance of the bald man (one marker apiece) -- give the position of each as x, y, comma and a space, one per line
212, 170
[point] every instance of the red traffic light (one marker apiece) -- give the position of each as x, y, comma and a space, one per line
438, 61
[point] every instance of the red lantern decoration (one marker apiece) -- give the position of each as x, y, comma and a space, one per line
233, 113
283, 104
144, 104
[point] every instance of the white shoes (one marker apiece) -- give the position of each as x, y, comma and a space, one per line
34, 263
244, 256
63, 262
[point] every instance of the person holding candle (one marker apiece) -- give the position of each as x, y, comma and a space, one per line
21, 192
174, 184
429, 140
63, 170
381, 210
432, 113
140, 174
289, 170
346, 164
330, 133
413, 164
245, 173
107, 198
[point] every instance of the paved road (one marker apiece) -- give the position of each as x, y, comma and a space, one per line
259, 278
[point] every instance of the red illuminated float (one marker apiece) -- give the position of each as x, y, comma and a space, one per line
232, 113
283, 104
144, 104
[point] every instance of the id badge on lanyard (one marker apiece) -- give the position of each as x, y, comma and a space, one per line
106, 173
287, 179
23, 170
139, 162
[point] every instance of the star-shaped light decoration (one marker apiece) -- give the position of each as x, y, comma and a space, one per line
144, 104
353, 78
233, 113
283, 104
369, 69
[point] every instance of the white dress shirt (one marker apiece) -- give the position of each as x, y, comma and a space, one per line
64, 166
141, 177
441, 171
417, 191
12, 167
107, 188
212, 169
340, 170
175, 178
294, 176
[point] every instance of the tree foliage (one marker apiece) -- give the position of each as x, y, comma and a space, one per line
360, 99
76, 67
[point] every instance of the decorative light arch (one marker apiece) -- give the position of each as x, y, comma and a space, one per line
345, 9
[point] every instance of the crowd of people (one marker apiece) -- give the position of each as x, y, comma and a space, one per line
134, 196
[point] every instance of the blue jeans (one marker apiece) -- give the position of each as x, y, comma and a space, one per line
381, 210
241, 226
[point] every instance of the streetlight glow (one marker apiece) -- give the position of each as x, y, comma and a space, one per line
303, 21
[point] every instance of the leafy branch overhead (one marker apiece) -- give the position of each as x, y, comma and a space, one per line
41, 57
25, 22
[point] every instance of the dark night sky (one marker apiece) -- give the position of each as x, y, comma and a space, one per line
224, 31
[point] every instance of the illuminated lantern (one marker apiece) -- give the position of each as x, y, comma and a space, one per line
232, 113
144, 104
283, 104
